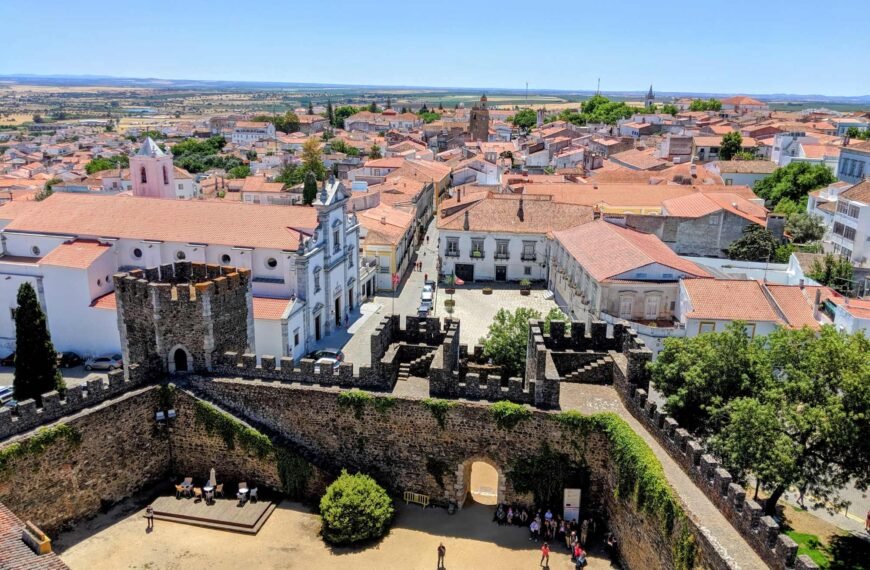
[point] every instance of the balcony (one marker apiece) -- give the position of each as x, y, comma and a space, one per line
478, 255
529, 257
502, 255
451, 253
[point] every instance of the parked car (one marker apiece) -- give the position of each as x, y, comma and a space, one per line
6, 393
424, 309
68, 359
106, 362
333, 353
8, 360
429, 285
324, 362
11, 404
426, 296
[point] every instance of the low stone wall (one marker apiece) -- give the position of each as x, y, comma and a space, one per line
120, 451
762, 533
28, 416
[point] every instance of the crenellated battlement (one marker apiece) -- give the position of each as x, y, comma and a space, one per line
183, 281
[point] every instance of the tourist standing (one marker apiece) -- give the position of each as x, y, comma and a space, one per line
442, 550
545, 555
149, 516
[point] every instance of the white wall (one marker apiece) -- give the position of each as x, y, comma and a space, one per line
268, 337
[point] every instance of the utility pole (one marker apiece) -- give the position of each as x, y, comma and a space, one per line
527, 92
598, 89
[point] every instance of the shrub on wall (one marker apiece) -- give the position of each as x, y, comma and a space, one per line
355, 508
439, 409
36, 445
293, 471
355, 400
508, 414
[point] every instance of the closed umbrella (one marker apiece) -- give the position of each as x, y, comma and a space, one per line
212, 479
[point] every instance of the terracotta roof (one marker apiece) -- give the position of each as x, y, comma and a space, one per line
384, 225
746, 166
729, 300
796, 303
260, 184
76, 254
428, 170
748, 142
14, 208
858, 193
639, 159
819, 151
184, 221
14, 554
269, 309
390, 162
625, 195
859, 308
606, 250
742, 100
252, 124
806, 260
862, 147
500, 213
107, 301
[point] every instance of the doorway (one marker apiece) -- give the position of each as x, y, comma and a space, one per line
180, 359
465, 271
338, 311
501, 272
651, 308
626, 307
483, 485
317, 327
350, 299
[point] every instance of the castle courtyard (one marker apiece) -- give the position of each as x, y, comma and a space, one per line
290, 539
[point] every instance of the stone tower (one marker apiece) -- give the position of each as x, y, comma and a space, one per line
152, 172
478, 122
181, 317
650, 98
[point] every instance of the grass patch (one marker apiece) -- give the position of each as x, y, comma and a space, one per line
810, 545
356, 400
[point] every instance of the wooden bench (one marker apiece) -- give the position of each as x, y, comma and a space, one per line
416, 498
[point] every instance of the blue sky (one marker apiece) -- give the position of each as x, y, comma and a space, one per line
739, 46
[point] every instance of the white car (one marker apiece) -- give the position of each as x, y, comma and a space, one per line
324, 362
106, 362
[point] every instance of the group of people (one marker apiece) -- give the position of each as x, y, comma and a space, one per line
551, 529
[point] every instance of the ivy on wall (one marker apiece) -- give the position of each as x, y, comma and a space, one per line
439, 409
36, 445
508, 414
355, 400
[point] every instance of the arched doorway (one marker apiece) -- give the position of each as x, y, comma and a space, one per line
481, 481
180, 360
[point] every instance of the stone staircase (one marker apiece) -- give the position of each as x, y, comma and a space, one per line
418, 366
404, 371
596, 372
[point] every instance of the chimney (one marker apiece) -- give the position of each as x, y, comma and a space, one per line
801, 284
817, 302
465, 223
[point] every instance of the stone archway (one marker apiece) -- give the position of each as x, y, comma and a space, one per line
179, 360
463, 480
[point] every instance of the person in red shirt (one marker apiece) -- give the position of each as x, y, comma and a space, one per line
545, 555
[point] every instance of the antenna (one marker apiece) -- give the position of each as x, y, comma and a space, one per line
527, 92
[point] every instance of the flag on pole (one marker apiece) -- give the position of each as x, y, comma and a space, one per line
395, 280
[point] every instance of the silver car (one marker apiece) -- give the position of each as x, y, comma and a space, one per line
105, 362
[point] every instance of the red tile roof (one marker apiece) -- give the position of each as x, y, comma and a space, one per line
76, 254
606, 250
796, 303
14, 554
107, 301
500, 213
729, 300
184, 221
269, 309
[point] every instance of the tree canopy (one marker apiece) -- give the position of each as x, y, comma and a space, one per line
705, 105
428, 116
100, 163
756, 244
375, 152
286, 123
732, 144
507, 339
670, 109
341, 113
599, 109
833, 271
524, 119
35, 358
338, 145
355, 508
309, 190
791, 408
197, 155
804, 227
794, 181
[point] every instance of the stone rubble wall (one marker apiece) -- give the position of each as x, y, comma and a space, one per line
762, 533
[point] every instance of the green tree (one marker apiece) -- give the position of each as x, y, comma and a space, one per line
35, 358
806, 419
833, 271
853, 132
731, 144
311, 158
286, 123
744, 155
756, 244
506, 341
793, 181
47, 189
100, 163
788, 207
373, 107
670, 109
309, 190
375, 152
310, 107
343, 113
428, 116
330, 113
524, 119
804, 227
251, 155
241, 171
556, 314
698, 374
355, 508
708, 105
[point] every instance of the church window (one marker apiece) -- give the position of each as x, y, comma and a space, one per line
165, 176
142, 175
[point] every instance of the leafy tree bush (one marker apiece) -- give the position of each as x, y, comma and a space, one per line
341, 113
354, 509
506, 341
240, 171
195, 155
732, 143
428, 116
670, 109
35, 358
834, 271
804, 227
708, 105
375, 152
794, 181
508, 414
756, 244
100, 163
524, 119
286, 123
598, 109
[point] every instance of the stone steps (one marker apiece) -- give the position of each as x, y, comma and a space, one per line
404, 371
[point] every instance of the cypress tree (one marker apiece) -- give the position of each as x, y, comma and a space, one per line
330, 113
35, 358
309, 190
310, 107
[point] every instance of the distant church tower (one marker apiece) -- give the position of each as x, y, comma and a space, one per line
650, 98
152, 172
478, 123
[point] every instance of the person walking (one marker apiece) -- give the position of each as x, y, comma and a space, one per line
149, 516
545, 555
867, 523
442, 550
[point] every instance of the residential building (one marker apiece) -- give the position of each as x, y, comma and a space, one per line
742, 104
69, 246
742, 172
707, 148
503, 237
854, 163
849, 234
258, 190
249, 132
311, 124
387, 235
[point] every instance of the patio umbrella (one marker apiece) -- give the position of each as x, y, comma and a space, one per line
212, 479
